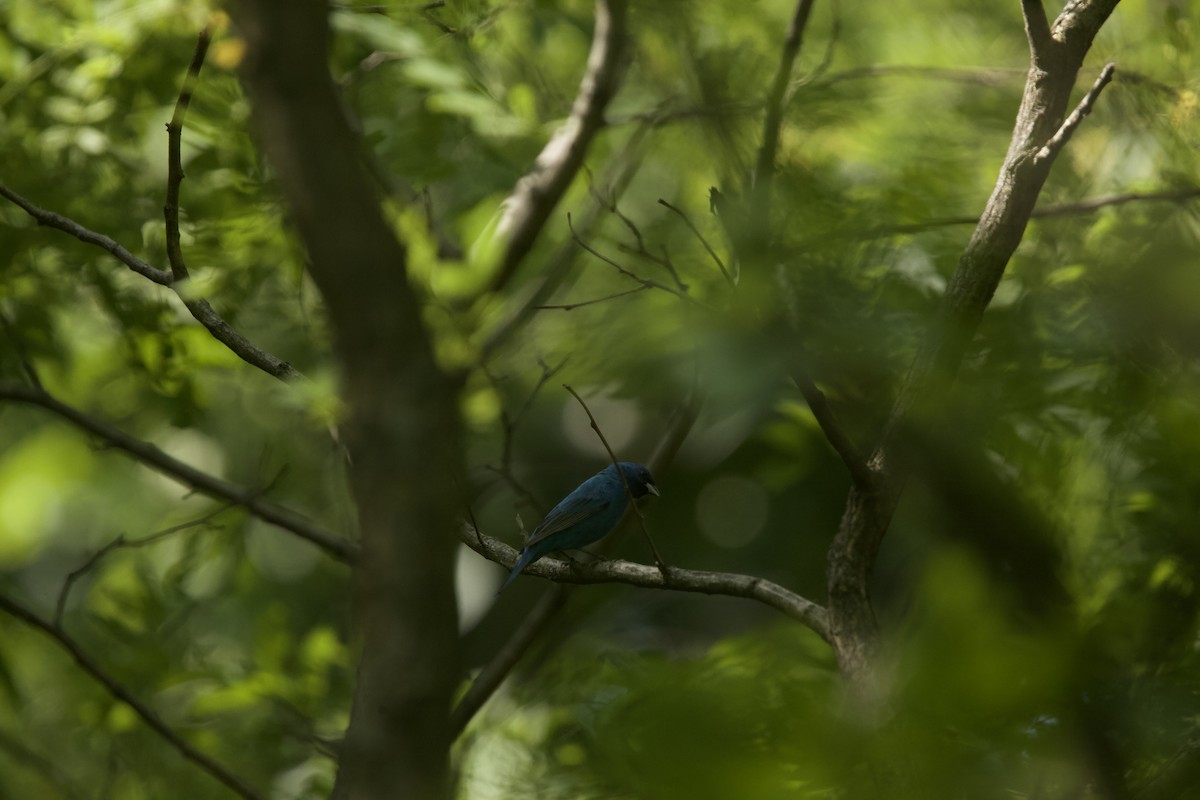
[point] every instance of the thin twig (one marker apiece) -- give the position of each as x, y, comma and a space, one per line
558, 265
851, 456
510, 423
119, 542
624, 481
610, 203
1060, 137
221, 330
152, 719
582, 303
687, 221
764, 167
645, 282
10, 331
174, 160
210, 485
69, 226
1045, 212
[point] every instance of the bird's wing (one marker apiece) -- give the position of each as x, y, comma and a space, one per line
571, 511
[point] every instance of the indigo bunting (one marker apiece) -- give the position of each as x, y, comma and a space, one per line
586, 515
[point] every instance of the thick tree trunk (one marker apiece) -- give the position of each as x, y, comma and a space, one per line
402, 427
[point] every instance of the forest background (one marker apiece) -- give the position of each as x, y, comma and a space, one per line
263, 431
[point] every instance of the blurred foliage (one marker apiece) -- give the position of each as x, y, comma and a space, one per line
1038, 589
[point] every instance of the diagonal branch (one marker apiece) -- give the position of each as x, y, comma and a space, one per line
860, 472
69, 226
646, 576
221, 330
1060, 137
764, 167
868, 512
95, 558
148, 716
337, 547
536, 194
713, 253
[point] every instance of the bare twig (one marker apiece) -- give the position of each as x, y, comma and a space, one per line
504, 659
175, 162
558, 266
149, 455
645, 282
624, 481
610, 203
764, 167
535, 195
860, 472
1060, 137
119, 542
26, 363
582, 303
1045, 212
646, 576
69, 226
152, 719
687, 221
510, 423
221, 330
976, 76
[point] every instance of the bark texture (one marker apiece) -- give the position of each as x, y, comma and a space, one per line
402, 426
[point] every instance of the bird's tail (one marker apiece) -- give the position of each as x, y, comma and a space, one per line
527, 558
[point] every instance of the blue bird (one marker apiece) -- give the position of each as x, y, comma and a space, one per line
586, 515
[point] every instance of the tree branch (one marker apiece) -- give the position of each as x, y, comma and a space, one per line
174, 162
646, 576
711, 252
152, 720
859, 470
764, 167
149, 455
69, 226
221, 330
1060, 137
1043, 212
645, 282
503, 660
116, 544
536, 194
1037, 30
868, 512
558, 265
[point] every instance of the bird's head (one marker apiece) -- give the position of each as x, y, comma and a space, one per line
641, 482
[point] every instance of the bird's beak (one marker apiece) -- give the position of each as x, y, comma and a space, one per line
652, 489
